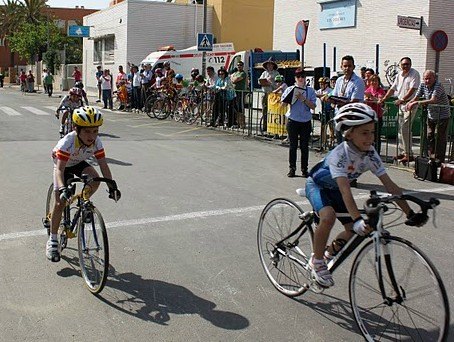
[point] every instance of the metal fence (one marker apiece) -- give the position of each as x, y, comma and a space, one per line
249, 118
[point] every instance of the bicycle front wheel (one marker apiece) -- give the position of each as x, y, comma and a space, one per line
93, 249
285, 259
161, 109
402, 297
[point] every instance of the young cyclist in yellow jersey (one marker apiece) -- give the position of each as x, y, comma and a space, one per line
69, 156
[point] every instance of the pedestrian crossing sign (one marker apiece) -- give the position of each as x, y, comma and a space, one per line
205, 42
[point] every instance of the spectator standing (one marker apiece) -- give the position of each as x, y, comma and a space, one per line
266, 80
77, 75
2, 77
327, 111
369, 72
349, 86
30, 82
98, 75
136, 78
280, 84
121, 76
43, 77
239, 81
299, 126
49, 83
211, 78
106, 87
432, 94
223, 100
169, 73
23, 80
145, 81
405, 86
372, 95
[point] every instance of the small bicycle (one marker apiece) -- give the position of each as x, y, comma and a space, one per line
68, 125
395, 291
85, 222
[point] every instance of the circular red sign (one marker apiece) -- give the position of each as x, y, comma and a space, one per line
439, 40
300, 32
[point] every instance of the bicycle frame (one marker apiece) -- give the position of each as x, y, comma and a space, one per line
377, 235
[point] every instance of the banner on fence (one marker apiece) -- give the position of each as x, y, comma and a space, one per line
276, 119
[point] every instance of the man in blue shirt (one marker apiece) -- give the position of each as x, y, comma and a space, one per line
349, 86
302, 100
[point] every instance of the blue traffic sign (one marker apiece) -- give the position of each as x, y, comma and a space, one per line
204, 41
78, 31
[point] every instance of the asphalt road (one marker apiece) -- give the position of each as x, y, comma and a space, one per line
183, 254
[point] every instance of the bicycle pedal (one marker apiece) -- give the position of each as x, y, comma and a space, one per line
70, 234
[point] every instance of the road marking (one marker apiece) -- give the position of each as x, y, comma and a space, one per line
189, 216
147, 124
51, 107
10, 111
36, 111
180, 132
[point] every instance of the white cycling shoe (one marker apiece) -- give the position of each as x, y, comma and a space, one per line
321, 274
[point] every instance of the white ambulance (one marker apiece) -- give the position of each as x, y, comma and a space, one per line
182, 61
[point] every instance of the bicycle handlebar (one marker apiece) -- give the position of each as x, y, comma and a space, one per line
86, 179
372, 205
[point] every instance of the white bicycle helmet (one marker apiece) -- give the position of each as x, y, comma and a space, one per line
354, 114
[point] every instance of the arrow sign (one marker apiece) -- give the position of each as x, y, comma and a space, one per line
78, 31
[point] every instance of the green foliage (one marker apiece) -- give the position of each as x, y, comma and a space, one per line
52, 60
33, 39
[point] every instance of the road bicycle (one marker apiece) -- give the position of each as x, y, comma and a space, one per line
164, 106
395, 291
83, 220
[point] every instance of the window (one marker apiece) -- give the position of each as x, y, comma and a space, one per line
109, 49
97, 51
104, 49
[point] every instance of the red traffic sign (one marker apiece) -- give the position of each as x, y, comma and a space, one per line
439, 40
301, 31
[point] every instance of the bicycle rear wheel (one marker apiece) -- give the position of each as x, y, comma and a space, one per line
93, 249
419, 312
285, 264
50, 203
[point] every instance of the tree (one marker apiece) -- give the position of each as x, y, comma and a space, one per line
10, 18
28, 39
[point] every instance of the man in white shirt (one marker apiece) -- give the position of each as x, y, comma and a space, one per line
405, 86
106, 87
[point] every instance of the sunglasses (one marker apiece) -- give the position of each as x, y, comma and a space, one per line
300, 76
405, 64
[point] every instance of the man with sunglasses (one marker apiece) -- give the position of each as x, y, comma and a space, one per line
405, 86
299, 116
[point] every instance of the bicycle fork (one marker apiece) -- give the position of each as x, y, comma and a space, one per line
383, 250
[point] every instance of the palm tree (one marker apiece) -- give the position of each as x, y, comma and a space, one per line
33, 10
10, 18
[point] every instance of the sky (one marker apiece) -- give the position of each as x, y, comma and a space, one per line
92, 4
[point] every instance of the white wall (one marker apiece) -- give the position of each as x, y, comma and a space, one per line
145, 26
376, 23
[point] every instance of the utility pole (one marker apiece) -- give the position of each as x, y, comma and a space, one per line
204, 62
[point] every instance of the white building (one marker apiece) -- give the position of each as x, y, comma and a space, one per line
355, 27
130, 30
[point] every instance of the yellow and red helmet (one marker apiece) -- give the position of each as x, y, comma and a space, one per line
87, 116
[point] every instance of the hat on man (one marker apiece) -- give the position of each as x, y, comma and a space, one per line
269, 60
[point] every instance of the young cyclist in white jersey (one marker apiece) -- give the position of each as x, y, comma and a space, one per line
328, 186
67, 105
69, 156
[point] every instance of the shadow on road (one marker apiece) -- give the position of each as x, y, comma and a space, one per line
93, 162
155, 300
